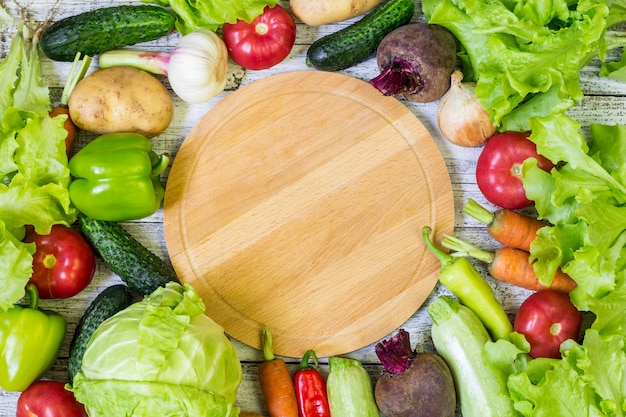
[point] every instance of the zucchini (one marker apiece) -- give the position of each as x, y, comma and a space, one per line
460, 338
103, 29
140, 269
110, 301
357, 42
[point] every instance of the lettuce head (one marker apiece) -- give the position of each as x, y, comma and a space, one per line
160, 357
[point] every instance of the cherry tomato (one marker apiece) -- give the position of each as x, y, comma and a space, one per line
499, 169
48, 399
547, 318
63, 263
264, 42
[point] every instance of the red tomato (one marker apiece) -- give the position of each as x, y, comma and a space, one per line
48, 399
499, 169
264, 42
63, 263
548, 318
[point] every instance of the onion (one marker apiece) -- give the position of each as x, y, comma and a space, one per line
196, 68
461, 118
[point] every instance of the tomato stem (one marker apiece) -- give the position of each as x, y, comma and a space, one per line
262, 28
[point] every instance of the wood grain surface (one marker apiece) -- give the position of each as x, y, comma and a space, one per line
297, 203
604, 102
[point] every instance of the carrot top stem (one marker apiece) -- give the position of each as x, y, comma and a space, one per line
463, 248
475, 210
268, 347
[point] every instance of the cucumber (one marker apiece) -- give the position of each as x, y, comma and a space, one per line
140, 269
357, 42
110, 301
103, 29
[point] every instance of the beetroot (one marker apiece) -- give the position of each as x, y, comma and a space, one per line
416, 61
413, 384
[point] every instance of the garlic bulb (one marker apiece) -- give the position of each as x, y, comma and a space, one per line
196, 68
461, 118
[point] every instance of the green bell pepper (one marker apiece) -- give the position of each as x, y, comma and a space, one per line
116, 177
30, 339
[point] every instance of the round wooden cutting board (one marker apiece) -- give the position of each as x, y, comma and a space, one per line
297, 202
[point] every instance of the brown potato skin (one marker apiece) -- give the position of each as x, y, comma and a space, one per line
121, 99
320, 12
432, 51
425, 389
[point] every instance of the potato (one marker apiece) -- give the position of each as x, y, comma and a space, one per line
425, 389
320, 12
121, 99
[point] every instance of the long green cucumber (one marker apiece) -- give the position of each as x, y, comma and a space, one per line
100, 30
142, 270
357, 42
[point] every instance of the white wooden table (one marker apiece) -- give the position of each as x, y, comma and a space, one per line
605, 102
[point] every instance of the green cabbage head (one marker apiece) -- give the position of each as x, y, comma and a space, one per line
162, 357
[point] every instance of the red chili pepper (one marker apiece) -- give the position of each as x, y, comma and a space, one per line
311, 388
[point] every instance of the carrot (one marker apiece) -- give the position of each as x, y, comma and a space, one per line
68, 125
508, 227
76, 74
276, 383
510, 265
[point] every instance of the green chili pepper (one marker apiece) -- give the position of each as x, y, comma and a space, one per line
459, 276
30, 340
117, 177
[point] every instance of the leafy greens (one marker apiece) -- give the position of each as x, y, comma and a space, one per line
33, 165
525, 55
584, 201
160, 357
210, 14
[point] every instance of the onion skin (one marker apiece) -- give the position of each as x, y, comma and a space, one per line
461, 118
427, 51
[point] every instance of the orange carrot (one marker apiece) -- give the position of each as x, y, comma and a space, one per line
76, 74
508, 227
68, 125
276, 382
510, 265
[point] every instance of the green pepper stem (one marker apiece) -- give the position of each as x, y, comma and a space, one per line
33, 296
443, 257
475, 210
268, 347
304, 363
463, 248
160, 164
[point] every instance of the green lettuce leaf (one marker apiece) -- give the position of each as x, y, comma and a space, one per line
583, 201
16, 259
160, 356
33, 162
208, 14
588, 381
525, 56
